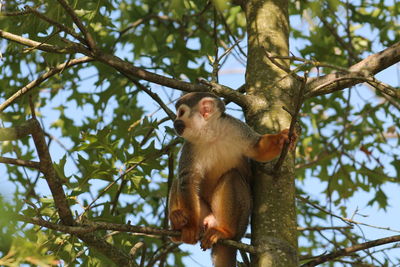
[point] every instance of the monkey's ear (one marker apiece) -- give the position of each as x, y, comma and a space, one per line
207, 107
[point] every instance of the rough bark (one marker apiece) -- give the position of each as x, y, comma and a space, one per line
269, 88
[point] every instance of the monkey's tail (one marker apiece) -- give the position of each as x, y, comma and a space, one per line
223, 256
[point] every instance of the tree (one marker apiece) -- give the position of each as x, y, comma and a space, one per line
93, 62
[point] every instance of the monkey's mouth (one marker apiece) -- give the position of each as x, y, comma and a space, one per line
179, 126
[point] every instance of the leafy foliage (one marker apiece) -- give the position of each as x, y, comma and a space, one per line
114, 150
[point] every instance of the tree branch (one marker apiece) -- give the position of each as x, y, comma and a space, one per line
228, 93
17, 132
292, 135
21, 162
53, 181
128, 69
46, 167
88, 37
43, 78
156, 98
33, 128
352, 249
67, 30
90, 227
359, 72
38, 45
344, 219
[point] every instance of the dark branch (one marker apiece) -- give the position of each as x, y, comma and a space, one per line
90, 227
88, 37
292, 134
156, 98
53, 181
55, 23
351, 250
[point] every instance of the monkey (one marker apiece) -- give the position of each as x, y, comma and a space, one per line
211, 198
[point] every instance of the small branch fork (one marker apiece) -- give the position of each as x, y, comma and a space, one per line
292, 133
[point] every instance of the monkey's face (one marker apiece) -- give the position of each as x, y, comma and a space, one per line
192, 123
188, 123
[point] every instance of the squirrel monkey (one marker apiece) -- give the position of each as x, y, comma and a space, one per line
211, 198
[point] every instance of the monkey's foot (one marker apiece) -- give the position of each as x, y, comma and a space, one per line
211, 236
190, 235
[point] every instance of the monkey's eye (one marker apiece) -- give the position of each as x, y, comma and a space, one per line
181, 112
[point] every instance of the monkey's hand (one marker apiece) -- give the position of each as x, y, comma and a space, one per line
178, 219
285, 136
269, 146
212, 235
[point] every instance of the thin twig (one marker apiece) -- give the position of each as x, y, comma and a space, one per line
88, 37
55, 23
344, 219
352, 249
33, 84
155, 97
286, 146
156, 154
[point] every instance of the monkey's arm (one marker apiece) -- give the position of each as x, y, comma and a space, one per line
269, 146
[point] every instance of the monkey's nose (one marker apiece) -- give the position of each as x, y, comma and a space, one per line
179, 126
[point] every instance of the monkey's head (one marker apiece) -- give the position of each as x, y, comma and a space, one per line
195, 112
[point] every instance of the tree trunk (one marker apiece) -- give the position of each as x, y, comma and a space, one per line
269, 87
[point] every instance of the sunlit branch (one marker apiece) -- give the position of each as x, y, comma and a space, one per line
38, 45
20, 162
358, 73
352, 78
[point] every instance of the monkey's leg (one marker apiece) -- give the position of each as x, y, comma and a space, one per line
186, 213
230, 206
